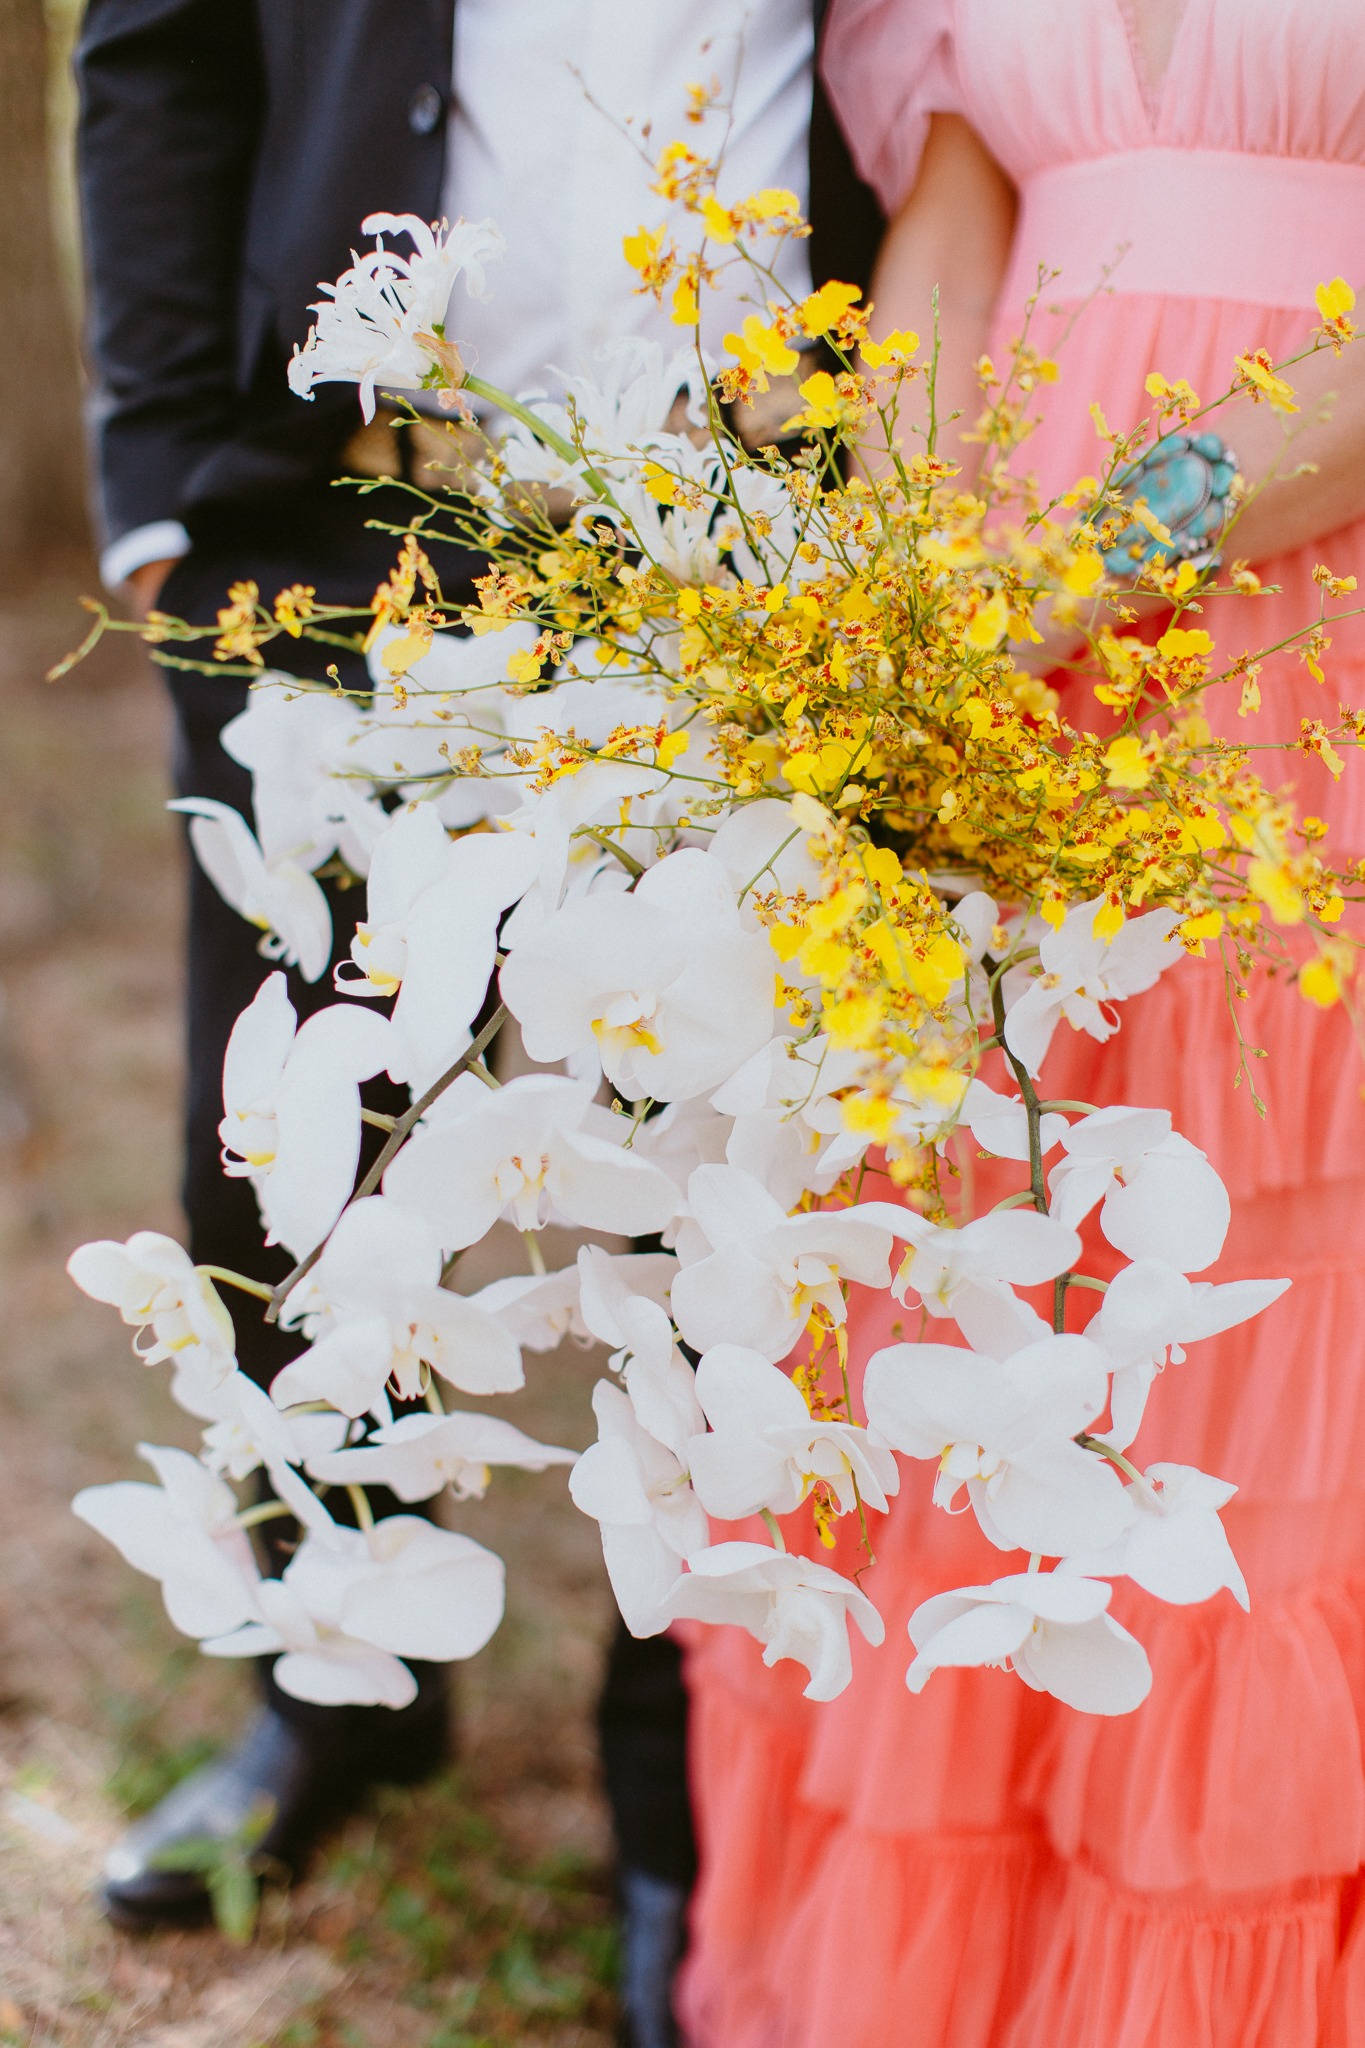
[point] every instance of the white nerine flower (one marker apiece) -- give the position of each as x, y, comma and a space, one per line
665, 983
420, 1455
752, 1275
534, 1150
184, 1533
1006, 1432
375, 1309
637, 1490
1162, 1199
382, 319
291, 1102
1051, 1627
1084, 976
793, 1607
280, 896
430, 934
766, 1450
154, 1284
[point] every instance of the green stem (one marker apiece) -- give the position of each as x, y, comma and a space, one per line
769, 1520
360, 1501
268, 1511
231, 1279
504, 402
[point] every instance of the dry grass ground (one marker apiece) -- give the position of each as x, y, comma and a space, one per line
470, 1912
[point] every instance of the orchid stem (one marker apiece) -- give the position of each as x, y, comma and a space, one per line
268, 1511
770, 1522
360, 1501
397, 1137
231, 1279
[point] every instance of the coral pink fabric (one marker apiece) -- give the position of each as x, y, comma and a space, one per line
978, 1867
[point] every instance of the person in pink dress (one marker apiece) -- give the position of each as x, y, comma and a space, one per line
979, 1866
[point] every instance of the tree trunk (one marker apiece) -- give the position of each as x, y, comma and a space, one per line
42, 473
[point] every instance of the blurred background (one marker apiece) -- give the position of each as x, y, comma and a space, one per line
473, 1911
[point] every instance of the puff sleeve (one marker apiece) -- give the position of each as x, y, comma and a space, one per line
888, 65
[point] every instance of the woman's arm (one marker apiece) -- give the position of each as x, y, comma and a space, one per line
953, 233
1328, 432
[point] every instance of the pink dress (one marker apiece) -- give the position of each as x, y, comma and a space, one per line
980, 1867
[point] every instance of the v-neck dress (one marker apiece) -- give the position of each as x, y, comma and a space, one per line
979, 1866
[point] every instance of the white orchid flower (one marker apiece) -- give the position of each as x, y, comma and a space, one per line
789, 1129
537, 1310
1083, 976
766, 1450
183, 1532
430, 935
969, 1273
314, 1661
1162, 1199
685, 1135
403, 1587
1052, 1628
665, 982
246, 1430
453, 697
558, 821
637, 1490
763, 848
291, 1102
280, 897
375, 1309
1005, 1431
534, 1150
752, 1275
1174, 1547
1149, 1313
293, 739
380, 321
420, 1455
618, 1308
155, 1285
793, 1607
999, 1123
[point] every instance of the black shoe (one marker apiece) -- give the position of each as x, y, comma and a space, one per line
653, 1937
280, 1779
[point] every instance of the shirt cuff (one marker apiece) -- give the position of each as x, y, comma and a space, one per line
163, 540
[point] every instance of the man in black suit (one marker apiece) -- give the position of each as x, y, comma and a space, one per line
229, 151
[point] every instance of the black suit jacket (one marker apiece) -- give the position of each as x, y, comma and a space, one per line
228, 151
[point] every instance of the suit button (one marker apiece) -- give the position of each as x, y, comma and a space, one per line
425, 109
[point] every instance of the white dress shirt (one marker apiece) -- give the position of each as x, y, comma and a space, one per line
560, 109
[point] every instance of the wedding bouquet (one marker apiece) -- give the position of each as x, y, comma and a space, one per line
730, 793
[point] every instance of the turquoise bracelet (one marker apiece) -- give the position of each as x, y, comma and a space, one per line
1185, 481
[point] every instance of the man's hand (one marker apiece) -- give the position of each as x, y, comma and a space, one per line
144, 585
